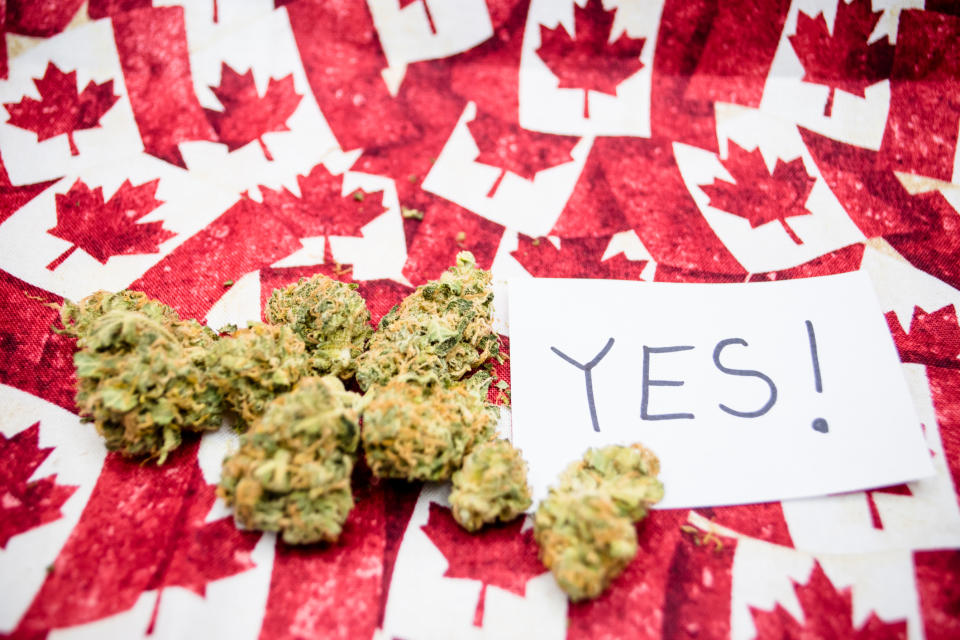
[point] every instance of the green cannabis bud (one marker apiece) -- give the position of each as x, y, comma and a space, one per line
141, 385
491, 485
585, 526
77, 317
628, 475
329, 316
584, 541
443, 328
292, 471
420, 429
254, 365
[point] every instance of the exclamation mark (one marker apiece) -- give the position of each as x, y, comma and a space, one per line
819, 424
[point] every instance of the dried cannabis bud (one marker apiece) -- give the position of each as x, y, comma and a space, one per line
584, 541
585, 527
77, 317
491, 486
141, 385
292, 471
443, 328
627, 474
420, 429
330, 317
254, 365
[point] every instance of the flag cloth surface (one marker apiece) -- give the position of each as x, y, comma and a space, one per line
208, 151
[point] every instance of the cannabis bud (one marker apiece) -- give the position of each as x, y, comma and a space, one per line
585, 526
420, 429
330, 317
292, 471
491, 485
140, 385
77, 317
443, 328
254, 365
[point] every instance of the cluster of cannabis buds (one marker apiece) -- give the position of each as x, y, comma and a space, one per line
585, 526
144, 376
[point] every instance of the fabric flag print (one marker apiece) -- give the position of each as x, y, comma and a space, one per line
208, 152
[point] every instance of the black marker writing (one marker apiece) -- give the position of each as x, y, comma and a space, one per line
588, 374
819, 424
646, 383
744, 372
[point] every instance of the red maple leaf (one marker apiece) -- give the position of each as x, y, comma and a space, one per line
499, 555
576, 258
193, 562
25, 505
843, 60
589, 61
827, 613
60, 108
106, 229
321, 209
246, 116
934, 338
525, 153
759, 196
426, 10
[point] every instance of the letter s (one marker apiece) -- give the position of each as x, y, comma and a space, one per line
744, 372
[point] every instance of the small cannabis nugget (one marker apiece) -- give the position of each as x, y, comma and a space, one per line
585, 527
491, 485
443, 328
420, 429
330, 317
292, 471
141, 384
77, 317
254, 365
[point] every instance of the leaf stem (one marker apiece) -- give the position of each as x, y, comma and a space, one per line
828, 108
426, 10
73, 145
266, 152
496, 184
793, 236
586, 104
156, 610
874, 512
478, 613
63, 256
